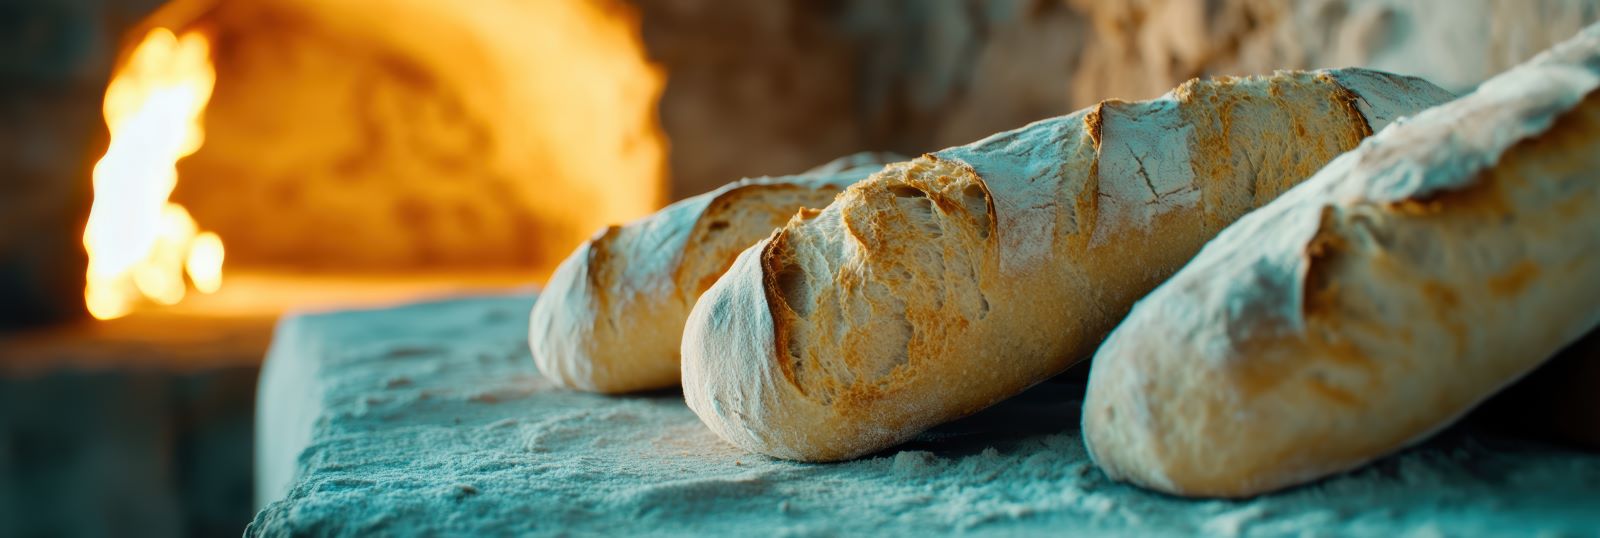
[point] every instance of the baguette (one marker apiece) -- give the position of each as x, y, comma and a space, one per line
945, 284
1372, 305
610, 317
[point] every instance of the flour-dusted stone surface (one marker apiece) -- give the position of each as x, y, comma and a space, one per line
431, 419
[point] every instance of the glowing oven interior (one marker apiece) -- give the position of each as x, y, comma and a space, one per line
255, 145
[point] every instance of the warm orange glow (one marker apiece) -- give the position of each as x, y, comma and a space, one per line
419, 135
205, 262
140, 243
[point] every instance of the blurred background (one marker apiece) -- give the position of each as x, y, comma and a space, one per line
175, 175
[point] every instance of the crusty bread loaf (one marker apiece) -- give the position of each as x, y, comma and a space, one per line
1372, 305
610, 317
945, 284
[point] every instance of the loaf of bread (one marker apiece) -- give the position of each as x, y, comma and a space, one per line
1372, 305
942, 285
610, 317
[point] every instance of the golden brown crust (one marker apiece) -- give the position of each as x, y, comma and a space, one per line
1368, 307
771, 268
594, 267
1092, 122
715, 219
944, 284
610, 319
1261, 169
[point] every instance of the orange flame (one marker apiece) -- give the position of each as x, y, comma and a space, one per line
139, 243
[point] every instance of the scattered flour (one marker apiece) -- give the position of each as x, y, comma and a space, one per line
1145, 169
537, 460
1025, 169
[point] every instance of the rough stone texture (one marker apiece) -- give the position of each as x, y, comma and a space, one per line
1140, 48
758, 88
814, 79
752, 88
392, 160
430, 419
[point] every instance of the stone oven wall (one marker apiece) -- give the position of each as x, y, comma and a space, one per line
751, 88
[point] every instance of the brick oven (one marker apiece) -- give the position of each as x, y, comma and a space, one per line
176, 175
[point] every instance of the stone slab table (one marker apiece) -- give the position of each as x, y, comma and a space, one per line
430, 419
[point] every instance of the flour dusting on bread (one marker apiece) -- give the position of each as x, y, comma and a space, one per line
611, 317
942, 285
1026, 171
1147, 142
1373, 304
